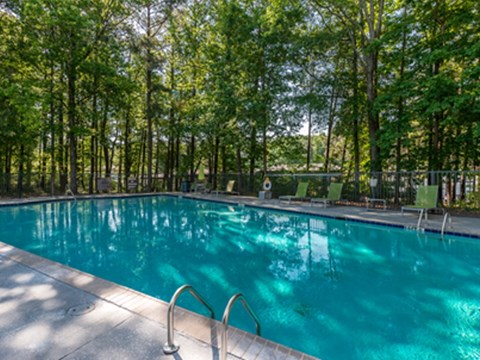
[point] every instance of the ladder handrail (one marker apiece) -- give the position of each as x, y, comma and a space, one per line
170, 347
69, 191
226, 316
420, 219
445, 217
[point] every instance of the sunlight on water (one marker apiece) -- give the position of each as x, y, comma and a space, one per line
333, 289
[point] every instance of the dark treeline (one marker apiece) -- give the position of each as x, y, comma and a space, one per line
150, 88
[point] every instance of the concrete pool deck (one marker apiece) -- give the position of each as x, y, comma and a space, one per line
40, 301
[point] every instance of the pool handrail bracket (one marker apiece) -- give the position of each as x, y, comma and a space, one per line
170, 347
226, 316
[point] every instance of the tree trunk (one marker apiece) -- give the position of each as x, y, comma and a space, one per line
127, 149
223, 154
52, 132
8, 169
264, 149
331, 116
167, 174
401, 101
253, 152
171, 161
157, 155
148, 110
44, 161
192, 136
20, 171
177, 162
373, 121
72, 138
142, 159
192, 158
239, 169
103, 134
373, 19
62, 161
356, 119
309, 137
93, 138
437, 157
215, 162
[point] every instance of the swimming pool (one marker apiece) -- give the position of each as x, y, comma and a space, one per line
334, 289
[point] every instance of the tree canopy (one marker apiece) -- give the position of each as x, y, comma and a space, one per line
153, 88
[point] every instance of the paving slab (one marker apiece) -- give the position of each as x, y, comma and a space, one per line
140, 338
35, 322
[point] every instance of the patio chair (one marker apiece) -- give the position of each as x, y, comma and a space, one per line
374, 198
228, 190
426, 199
301, 193
334, 193
201, 183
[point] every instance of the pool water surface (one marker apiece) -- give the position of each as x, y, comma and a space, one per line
331, 288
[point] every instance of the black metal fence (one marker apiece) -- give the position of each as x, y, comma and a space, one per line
457, 189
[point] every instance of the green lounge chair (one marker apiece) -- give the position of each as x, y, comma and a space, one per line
228, 190
426, 199
334, 193
301, 193
201, 173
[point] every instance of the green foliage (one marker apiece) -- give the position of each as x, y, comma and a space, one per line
230, 83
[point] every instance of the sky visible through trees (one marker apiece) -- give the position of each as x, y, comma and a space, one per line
150, 88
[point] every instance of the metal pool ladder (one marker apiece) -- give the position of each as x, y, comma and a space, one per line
69, 191
420, 217
446, 217
170, 347
226, 316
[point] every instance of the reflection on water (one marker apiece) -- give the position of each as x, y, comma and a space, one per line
334, 289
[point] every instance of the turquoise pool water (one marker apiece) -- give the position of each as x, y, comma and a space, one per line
333, 289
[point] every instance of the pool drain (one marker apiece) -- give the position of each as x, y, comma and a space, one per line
81, 309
